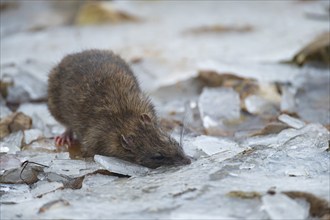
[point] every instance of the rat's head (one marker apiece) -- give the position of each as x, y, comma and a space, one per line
149, 146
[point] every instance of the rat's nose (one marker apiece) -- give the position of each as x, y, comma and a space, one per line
184, 161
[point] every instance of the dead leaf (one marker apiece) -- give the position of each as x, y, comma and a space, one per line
53, 204
244, 86
219, 29
4, 85
316, 51
244, 195
271, 128
100, 13
15, 122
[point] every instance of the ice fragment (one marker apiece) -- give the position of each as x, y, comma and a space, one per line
116, 165
218, 104
291, 121
280, 206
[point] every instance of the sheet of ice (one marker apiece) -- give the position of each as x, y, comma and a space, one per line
280, 206
116, 165
218, 104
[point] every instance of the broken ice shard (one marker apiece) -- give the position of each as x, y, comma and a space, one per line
119, 166
217, 105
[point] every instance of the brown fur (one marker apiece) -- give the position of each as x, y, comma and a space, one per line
95, 94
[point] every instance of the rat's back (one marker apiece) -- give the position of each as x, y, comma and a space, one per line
89, 83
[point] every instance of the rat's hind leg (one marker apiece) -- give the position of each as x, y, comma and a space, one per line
65, 138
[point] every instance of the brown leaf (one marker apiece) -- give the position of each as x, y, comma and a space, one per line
244, 195
218, 29
244, 86
316, 51
53, 204
271, 128
98, 13
14, 122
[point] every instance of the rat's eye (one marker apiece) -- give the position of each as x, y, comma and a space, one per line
158, 157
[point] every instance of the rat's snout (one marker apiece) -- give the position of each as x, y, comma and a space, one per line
186, 160
183, 161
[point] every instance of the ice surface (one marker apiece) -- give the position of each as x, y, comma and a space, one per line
116, 165
291, 121
280, 206
218, 104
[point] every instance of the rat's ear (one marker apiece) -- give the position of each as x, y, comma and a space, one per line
126, 142
145, 118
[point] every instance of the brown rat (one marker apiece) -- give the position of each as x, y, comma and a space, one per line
96, 96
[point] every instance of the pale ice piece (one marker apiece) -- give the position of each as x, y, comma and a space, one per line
258, 105
4, 110
212, 145
26, 87
288, 102
72, 168
32, 135
12, 143
44, 158
280, 206
41, 118
8, 161
291, 121
119, 166
218, 104
312, 98
44, 187
296, 171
